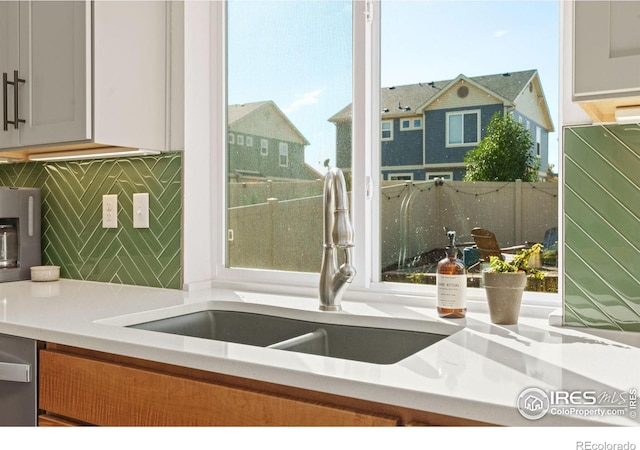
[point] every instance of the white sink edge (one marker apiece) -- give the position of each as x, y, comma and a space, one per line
426, 325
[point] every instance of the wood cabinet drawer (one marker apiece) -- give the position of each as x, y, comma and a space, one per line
111, 394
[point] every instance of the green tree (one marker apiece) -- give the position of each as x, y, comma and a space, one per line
504, 154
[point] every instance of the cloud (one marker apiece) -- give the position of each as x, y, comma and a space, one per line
498, 34
309, 98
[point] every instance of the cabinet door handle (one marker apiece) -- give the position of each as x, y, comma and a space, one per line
16, 104
5, 105
20, 373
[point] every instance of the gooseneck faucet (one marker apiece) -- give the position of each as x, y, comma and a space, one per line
338, 234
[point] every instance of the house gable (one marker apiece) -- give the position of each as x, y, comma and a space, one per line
461, 93
532, 104
264, 119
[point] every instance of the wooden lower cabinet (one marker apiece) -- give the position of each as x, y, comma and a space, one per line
79, 386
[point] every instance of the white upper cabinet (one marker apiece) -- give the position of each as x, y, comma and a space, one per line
53, 62
9, 51
606, 64
102, 73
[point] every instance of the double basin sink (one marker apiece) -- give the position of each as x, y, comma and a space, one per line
339, 336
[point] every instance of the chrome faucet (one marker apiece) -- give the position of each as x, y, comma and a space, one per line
338, 234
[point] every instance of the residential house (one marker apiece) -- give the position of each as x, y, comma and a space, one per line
264, 144
428, 128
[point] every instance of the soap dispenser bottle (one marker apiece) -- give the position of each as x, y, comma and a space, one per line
451, 281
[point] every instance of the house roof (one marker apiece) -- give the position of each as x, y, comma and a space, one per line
410, 100
239, 118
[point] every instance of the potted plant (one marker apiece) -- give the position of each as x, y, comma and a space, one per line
504, 283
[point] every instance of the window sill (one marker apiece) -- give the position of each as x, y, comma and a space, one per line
534, 304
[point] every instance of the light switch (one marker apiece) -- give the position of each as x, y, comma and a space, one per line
110, 211
141, 210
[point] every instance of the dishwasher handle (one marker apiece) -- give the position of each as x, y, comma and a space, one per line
20, 373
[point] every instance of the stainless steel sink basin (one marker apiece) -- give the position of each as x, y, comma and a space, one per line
358, 343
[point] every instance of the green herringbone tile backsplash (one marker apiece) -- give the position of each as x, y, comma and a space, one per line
72, 233
602, 236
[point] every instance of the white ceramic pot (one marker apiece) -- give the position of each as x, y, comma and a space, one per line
504, 295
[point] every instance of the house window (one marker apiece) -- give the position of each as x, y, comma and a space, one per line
248, 141
538, 141
240, 139
410, 124
463, 128
443, 175
283, 154
264, 147
400, 177
332, 52
232, 138
386, 130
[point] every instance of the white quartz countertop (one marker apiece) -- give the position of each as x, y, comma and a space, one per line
476, 373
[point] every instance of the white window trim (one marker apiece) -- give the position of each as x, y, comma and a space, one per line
248, 141
240, 139
264, 147
443, 175
458, 113
365, 176
411, 123
394, 176
390, 138
232, 138
285, 146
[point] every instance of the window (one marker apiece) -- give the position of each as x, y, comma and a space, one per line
401, 177
240, 139
410, 124
231, 138
463, 128
457, 107
442, 175
386, 129
248, 141
293, 111
284, 154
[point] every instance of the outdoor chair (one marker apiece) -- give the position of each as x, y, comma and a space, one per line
487, 245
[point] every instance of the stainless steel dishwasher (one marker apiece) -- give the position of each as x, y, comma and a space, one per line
18, 381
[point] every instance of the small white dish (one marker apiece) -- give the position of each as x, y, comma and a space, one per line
45, 273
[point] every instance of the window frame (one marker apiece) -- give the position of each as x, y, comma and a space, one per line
444, 175
283, 146
394, 176
382, 130
462, 113
248, 141
264, 147
240, 139
412, 125
366, 176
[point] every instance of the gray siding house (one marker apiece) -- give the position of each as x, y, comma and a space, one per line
264, 144
428, 128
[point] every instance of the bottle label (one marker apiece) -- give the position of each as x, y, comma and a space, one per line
452, 291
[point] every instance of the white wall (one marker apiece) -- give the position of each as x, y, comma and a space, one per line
198, 214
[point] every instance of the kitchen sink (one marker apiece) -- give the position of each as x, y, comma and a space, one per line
352, 342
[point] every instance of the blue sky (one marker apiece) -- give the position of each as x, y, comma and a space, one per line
309, 77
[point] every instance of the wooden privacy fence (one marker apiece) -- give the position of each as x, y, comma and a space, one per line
287, 235
414, 215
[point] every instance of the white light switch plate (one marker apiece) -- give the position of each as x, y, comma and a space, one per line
110, 211
141, 210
